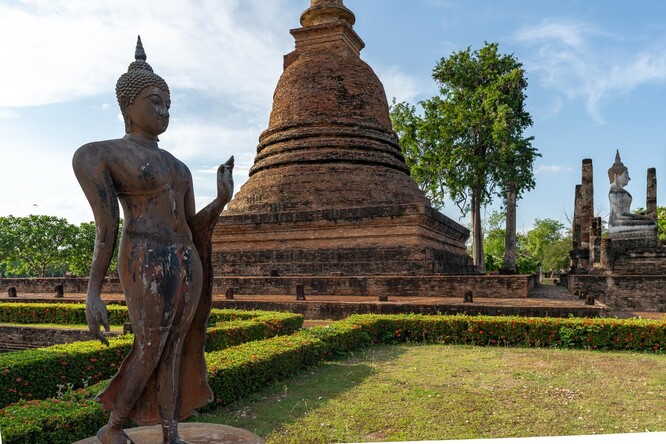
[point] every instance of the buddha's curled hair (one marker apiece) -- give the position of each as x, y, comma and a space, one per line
138, 77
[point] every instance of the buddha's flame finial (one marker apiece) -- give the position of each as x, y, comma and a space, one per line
139, 54
617, 169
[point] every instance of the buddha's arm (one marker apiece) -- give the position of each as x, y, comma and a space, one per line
97, 184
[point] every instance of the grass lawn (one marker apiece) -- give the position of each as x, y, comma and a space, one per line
421, 392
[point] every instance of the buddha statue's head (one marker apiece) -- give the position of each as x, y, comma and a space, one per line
141, 84
618, 173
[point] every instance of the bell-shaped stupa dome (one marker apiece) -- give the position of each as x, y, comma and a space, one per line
329, 191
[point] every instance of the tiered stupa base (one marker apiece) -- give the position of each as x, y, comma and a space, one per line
329, 202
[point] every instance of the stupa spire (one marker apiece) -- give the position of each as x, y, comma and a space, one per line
326, 11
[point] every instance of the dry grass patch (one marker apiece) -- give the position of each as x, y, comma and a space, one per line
422, 392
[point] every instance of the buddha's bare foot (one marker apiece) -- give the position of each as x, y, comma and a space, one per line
113, 435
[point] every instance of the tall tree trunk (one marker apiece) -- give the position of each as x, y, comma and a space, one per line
509, 266
477, 233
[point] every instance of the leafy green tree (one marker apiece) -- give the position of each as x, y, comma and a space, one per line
36, 245
546, 245
493, 240
81, 253
661, 223
468, 142
549, 243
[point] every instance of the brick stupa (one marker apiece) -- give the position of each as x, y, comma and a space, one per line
329, 193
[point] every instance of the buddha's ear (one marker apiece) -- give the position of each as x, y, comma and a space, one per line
124, 103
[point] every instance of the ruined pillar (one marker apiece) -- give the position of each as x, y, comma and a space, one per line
606, 257
586, 209
509, 266
651, 194
576, 219
595, 241
586, 201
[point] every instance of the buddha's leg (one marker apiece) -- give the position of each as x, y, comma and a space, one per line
186, 300
146, 275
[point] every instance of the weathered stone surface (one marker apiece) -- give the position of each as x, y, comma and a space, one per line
193, 433
46, 285
329, 192
627, 270
651, 194
628, 292
484, 286
586, 201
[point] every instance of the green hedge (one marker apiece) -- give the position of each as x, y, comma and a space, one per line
37, 373
239, 371
54, 421
232, 373
266, 325
62, 314
75, 314
583, 333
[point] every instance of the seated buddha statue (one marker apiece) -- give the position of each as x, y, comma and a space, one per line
621, 219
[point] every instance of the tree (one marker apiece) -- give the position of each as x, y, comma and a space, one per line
546, 245
549, 243
83, 245
468, 142
493, 241
35, 245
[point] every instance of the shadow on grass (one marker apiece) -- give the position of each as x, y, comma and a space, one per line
285, 402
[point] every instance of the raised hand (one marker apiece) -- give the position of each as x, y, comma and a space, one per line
225, 181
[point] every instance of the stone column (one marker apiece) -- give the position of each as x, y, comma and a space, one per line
586, 209
606, 254
576, 219
595, 241
586, 202
509, 266
651, 194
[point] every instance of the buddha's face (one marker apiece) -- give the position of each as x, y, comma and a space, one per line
623, 179
149, 113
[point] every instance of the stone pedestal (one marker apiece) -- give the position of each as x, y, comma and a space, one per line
193, 433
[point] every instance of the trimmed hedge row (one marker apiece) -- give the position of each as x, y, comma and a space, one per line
37, 373
240, 370
239, 331
61, 314
75, 314
581, 333
233, 373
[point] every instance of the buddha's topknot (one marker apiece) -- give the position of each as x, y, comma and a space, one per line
138, 77
617, 169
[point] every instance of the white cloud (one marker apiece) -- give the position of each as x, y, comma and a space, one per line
7, 114
552, 169
78, 48
586, 64
191, 142
397, 83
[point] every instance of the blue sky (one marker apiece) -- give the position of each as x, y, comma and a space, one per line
596, 72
